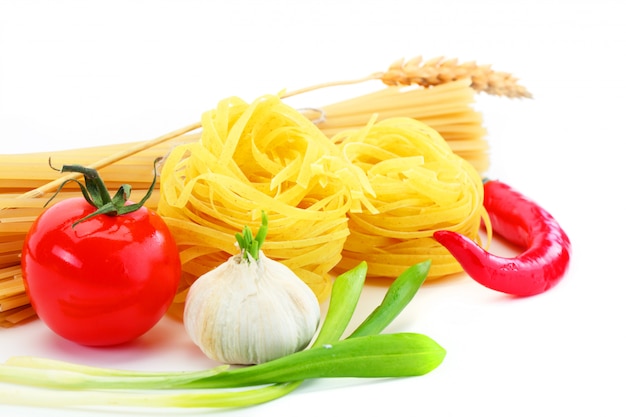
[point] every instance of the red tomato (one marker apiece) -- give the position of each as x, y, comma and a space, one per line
105, 281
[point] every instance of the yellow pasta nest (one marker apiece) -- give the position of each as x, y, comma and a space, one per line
262, 156
373, 194
421, 186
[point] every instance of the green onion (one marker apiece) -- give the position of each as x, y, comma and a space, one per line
400, 293
136, 398
366, 353
344, 298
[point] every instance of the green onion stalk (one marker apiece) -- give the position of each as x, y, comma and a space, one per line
365, 353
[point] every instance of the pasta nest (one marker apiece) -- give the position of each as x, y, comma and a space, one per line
373, 194
263, 156
420, 187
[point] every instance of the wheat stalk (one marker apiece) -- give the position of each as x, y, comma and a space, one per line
438, 71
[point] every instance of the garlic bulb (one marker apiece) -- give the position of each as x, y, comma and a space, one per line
250, 309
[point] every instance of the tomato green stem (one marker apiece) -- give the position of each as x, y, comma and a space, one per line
97, 194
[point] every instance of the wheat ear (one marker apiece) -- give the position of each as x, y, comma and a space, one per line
435, 72
439, 70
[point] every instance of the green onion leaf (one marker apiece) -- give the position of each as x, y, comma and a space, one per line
365, 353
400, 293
344, 298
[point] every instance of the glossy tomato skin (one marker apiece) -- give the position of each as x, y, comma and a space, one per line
105, 281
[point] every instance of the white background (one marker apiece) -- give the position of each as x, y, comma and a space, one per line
80, 73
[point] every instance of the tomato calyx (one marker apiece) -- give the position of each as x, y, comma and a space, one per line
97, 194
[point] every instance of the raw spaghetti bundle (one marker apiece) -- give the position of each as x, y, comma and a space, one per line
421, 186
262, 156
446, 108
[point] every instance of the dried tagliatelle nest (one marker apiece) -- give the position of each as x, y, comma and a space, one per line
420, 186
256, 157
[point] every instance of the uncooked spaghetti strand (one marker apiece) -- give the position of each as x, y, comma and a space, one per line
17, 315
113, 158
38, 161
398, 98
419, 113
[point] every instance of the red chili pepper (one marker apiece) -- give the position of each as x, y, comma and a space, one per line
519, 220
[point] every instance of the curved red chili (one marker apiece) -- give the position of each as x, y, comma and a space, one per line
547, 248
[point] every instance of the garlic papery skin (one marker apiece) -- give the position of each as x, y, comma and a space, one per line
250, 311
